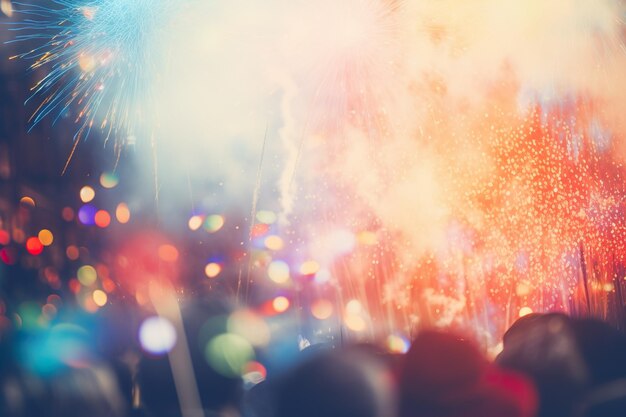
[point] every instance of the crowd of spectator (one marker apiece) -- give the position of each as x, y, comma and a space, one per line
551, 365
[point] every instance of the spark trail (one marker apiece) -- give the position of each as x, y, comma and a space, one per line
100, 60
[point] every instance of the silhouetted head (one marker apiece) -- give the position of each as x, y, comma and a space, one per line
444, 375
336, 384
546, 349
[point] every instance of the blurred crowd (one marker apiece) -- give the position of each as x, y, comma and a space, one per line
550, 365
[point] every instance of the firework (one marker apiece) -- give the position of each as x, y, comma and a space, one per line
501, 159
99, 59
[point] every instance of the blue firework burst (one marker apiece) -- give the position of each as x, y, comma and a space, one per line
100, 59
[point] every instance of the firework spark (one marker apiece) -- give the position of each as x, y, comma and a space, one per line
100, 59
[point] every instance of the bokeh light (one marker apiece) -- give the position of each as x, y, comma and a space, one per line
102, 219
109, 179
266, 217
67, 214
87, 215
354, 307
195, 222
524, 311
45, 237
27, 201
100, 298
5, 237
122, 213
274, 243
87, 194
278, 272
355, 322
168, 253
397, 344
72, 252
228, 354
322, 309
87, 275
214, 223
157, 335
281, 304
6, 7
353, 318
309, 268
34, 246
212, 269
